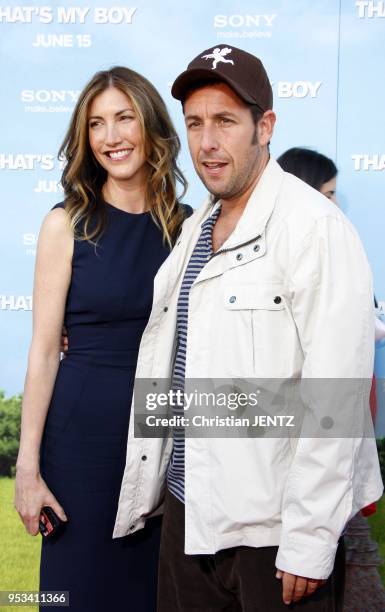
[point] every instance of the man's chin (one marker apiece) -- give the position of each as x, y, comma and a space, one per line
216, 191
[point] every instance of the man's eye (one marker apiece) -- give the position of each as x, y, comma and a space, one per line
224, 121
193, 124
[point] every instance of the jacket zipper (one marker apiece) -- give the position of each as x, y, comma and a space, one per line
235, 247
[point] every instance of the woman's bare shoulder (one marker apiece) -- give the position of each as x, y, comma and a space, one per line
56, 233
56, 221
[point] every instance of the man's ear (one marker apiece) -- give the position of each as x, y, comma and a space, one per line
265, 127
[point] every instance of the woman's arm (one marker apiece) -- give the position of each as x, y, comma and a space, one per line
52, 279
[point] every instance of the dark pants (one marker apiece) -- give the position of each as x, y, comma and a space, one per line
240, 579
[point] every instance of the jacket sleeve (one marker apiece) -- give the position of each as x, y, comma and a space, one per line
332, 306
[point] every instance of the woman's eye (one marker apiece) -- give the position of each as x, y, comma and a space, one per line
94, 123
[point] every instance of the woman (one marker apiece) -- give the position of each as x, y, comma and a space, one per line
97, 257
363, 588
313, 168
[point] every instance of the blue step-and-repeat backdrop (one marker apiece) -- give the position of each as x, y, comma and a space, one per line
324, 59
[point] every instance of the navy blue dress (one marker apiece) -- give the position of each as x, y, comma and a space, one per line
84, 442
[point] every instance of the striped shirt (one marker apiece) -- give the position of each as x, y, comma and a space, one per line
200, 256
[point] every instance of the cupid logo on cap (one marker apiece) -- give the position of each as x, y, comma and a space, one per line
218, 55
242, 71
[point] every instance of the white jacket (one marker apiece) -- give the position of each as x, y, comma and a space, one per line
290, 242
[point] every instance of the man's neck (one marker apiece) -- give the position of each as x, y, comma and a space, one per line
232, 209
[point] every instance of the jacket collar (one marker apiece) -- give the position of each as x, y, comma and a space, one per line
251, 225
258, 209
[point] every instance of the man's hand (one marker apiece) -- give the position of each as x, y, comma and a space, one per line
296, 587
64, 341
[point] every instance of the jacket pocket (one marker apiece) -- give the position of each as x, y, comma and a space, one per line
270, 328
254, 297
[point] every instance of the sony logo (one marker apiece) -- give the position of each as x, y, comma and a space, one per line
29, 239
49, 95
239, 21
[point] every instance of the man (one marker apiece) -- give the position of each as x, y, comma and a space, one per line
267, 280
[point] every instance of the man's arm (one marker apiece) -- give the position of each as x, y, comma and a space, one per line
332, 306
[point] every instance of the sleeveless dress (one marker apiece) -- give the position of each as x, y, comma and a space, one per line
84, 441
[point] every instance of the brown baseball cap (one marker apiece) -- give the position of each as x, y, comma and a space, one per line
241, 70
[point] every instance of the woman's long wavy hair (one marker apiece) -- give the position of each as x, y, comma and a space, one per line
83, 177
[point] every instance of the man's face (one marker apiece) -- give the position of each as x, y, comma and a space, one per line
226, 146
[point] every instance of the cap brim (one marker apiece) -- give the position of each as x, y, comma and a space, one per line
189, 77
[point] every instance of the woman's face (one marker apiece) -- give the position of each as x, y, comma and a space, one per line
329, 189
115, 136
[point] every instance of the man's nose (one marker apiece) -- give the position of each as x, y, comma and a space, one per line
209, 139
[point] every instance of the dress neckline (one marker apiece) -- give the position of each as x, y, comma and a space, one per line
126, 212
